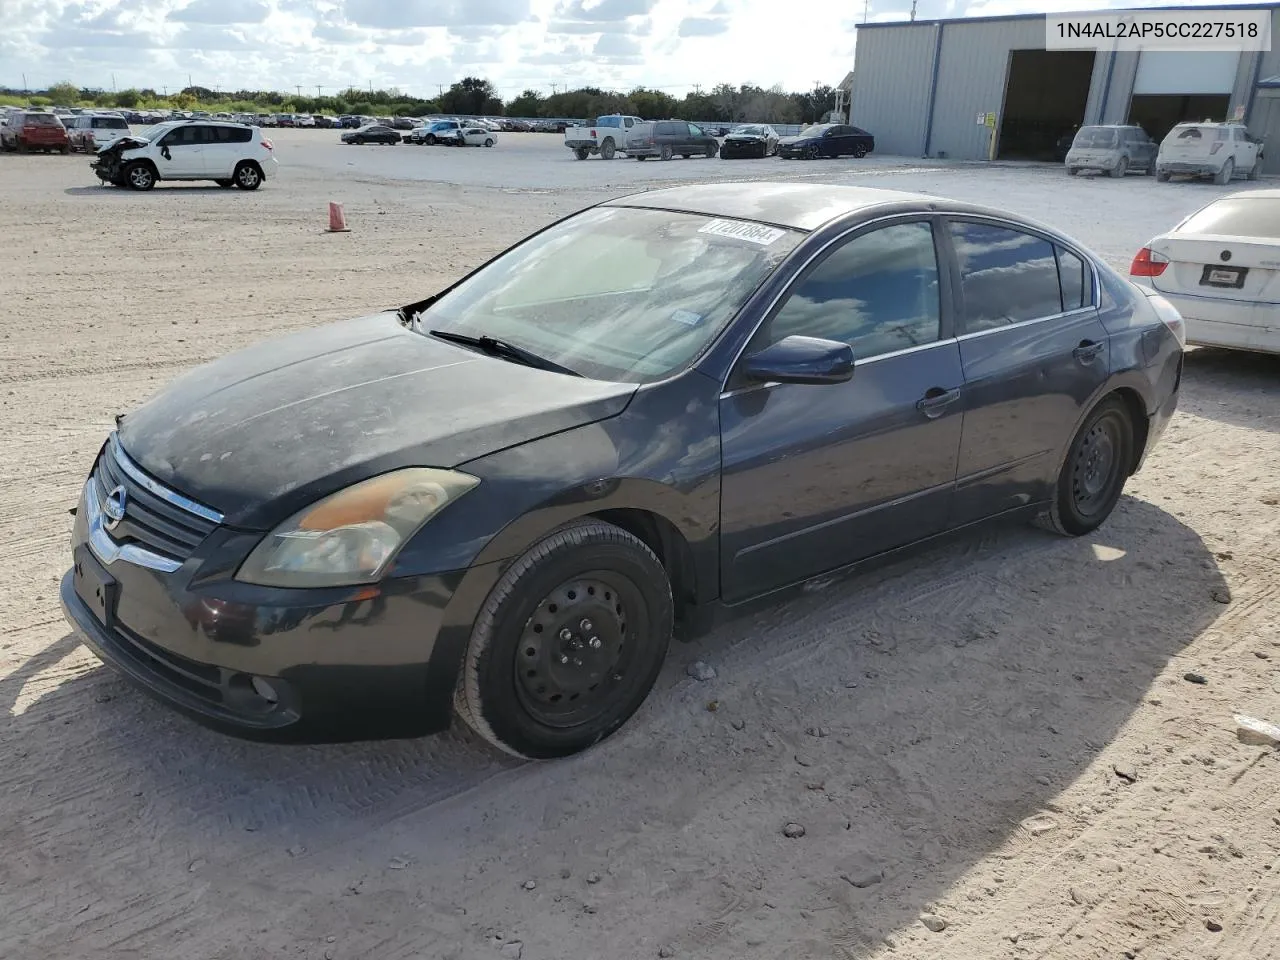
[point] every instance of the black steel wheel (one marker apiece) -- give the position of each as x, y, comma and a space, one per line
1098, 464
568, 644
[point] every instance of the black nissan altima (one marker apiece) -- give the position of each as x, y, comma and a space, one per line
504, 499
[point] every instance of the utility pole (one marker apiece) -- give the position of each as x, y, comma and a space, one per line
913, 11
113, 83
866, 10
299, 89
24, 83
318, 89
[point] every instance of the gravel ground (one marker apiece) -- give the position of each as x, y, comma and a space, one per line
986, 751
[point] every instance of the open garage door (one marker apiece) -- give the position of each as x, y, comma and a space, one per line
1044, 100
1172, 86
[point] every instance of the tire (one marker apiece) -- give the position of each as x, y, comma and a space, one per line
859, 151
581, 153
1082, 498
488, 141
518, 682
1120, 169
1223, 176
248, 175
225, 184
431, 140
358, 141
140, 176
66, 150
1162, 176
1073, 171
811, 152
640, 157
665, 152
607, 148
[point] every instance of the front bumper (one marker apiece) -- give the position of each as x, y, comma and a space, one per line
732, 149
352, 663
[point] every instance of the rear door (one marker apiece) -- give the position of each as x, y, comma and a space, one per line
1191, 144
1034, 353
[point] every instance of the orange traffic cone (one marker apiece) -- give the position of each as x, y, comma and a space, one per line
337, 219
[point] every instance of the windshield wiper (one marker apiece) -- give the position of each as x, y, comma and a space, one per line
505, 351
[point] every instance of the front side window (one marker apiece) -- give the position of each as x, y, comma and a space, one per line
878, 293
1007, 276
695, 130
617, 293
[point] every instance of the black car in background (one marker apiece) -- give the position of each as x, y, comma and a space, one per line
827, 140
371, 133
749, 140
502, 498
666, 138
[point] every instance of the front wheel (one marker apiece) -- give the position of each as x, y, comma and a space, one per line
1095, 471
431, 140
568, 643
248, 176
811, 152
358, 141
140, 176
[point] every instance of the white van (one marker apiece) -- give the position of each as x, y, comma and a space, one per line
1218, 150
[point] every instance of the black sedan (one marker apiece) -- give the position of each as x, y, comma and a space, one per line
749, 140
506, 496
827, 140
371, 133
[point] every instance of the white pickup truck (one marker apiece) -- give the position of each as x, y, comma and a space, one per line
607, 136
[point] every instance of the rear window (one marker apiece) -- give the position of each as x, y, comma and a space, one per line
1096, 137
42, 120
1196, 134
609, 122
109, 123
1257, 217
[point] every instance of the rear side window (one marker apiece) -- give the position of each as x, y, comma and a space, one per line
1257, 217
1007, 276
1075, 279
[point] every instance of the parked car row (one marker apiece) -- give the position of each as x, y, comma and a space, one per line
1217, 151
458, 133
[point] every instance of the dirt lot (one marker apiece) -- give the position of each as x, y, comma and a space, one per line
997, 734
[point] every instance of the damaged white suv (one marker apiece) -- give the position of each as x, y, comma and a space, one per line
229, 154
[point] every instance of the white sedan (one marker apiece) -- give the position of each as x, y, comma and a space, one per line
474, 136
1220, 267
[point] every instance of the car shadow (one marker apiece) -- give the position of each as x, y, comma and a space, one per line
911, 719
103, 189
1237, 387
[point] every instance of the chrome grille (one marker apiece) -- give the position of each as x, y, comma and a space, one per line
156, 526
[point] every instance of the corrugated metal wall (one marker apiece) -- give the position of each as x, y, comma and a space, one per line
972, 77
891, 86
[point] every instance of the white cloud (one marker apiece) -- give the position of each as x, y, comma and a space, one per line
419, 45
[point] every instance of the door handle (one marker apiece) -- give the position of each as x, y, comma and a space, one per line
936, 400
1087, 351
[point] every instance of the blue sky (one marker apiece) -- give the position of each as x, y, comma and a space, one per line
417, 45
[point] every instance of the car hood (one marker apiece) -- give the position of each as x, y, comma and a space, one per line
745, 136
792, 141
263, 432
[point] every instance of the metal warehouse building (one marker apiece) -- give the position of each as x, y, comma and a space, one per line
923, 87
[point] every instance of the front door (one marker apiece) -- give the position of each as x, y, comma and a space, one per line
1034, 354
182, 153
816, 477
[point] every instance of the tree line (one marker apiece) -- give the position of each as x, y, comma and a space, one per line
472, 96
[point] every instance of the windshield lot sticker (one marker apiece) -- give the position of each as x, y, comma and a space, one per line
751, 232
687, 318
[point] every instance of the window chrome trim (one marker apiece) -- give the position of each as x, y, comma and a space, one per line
1082, 311
134, 472
107, 550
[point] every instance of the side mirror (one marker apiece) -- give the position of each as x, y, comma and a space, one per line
802, 360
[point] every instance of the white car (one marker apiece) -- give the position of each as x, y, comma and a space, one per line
229, 154
470, 135
1220, 268
91, 132
1218, 150
304, 120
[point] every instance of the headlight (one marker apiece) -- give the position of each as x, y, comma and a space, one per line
352, 536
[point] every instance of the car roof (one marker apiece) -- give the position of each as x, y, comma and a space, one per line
799, 206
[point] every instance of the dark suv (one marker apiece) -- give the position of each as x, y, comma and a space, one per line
666, 138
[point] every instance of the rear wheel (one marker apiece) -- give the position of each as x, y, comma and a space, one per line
665, 152
488, 141
1224, 175
568, 643
247, 175
1121, 168
1162, 176
1094, 475
607, 148
67, 149
582, 153
860, 150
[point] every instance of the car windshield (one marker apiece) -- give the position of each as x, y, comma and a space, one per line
1254, 217
617, 293
152, 134
1096, 137
816, 130
756, 131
